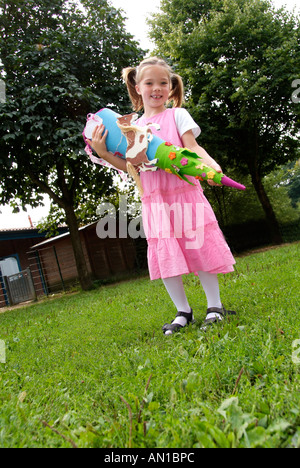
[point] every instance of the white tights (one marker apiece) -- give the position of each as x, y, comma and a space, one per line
210, 284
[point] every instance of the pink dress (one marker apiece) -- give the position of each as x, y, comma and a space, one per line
182, 231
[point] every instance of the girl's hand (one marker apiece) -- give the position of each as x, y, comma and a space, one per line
189, 141
217, 168
98, 142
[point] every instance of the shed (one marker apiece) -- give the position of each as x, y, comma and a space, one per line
53, 265
14, 247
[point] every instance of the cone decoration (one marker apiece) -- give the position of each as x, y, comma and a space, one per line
148, 152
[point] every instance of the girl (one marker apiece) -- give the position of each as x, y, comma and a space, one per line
200, 247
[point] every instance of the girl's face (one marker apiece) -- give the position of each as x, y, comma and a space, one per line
154, 87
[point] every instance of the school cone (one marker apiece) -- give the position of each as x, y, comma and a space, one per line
183, 162
148, 152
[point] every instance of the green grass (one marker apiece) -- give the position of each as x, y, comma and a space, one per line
94, 369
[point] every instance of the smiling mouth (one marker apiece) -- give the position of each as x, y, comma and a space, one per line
156, 97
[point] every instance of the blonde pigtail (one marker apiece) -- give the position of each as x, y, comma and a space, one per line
129, 77
177, 91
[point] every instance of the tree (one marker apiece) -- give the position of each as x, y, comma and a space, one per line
59, 63
238, 59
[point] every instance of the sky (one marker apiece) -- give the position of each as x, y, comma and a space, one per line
136, 12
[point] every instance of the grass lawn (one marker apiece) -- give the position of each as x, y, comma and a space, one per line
93, 369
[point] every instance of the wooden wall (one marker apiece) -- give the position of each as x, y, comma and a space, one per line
52, 263
105, 258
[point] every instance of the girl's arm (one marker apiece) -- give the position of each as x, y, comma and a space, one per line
189, 142
98, 143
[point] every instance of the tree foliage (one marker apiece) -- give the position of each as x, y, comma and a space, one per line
60, 61
238, 59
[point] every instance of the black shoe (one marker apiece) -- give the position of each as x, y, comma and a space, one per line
174, 327
216, 310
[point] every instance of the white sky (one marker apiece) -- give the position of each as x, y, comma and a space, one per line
136, 12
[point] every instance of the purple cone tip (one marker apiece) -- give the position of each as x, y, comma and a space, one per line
232, 183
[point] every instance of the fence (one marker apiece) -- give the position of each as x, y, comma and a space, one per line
17, 288
53, 267
43, 276
51, 272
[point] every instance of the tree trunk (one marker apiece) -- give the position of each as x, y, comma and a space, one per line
67, 203
267, 207
83, 274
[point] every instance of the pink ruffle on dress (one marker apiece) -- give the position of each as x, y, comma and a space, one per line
182, 231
